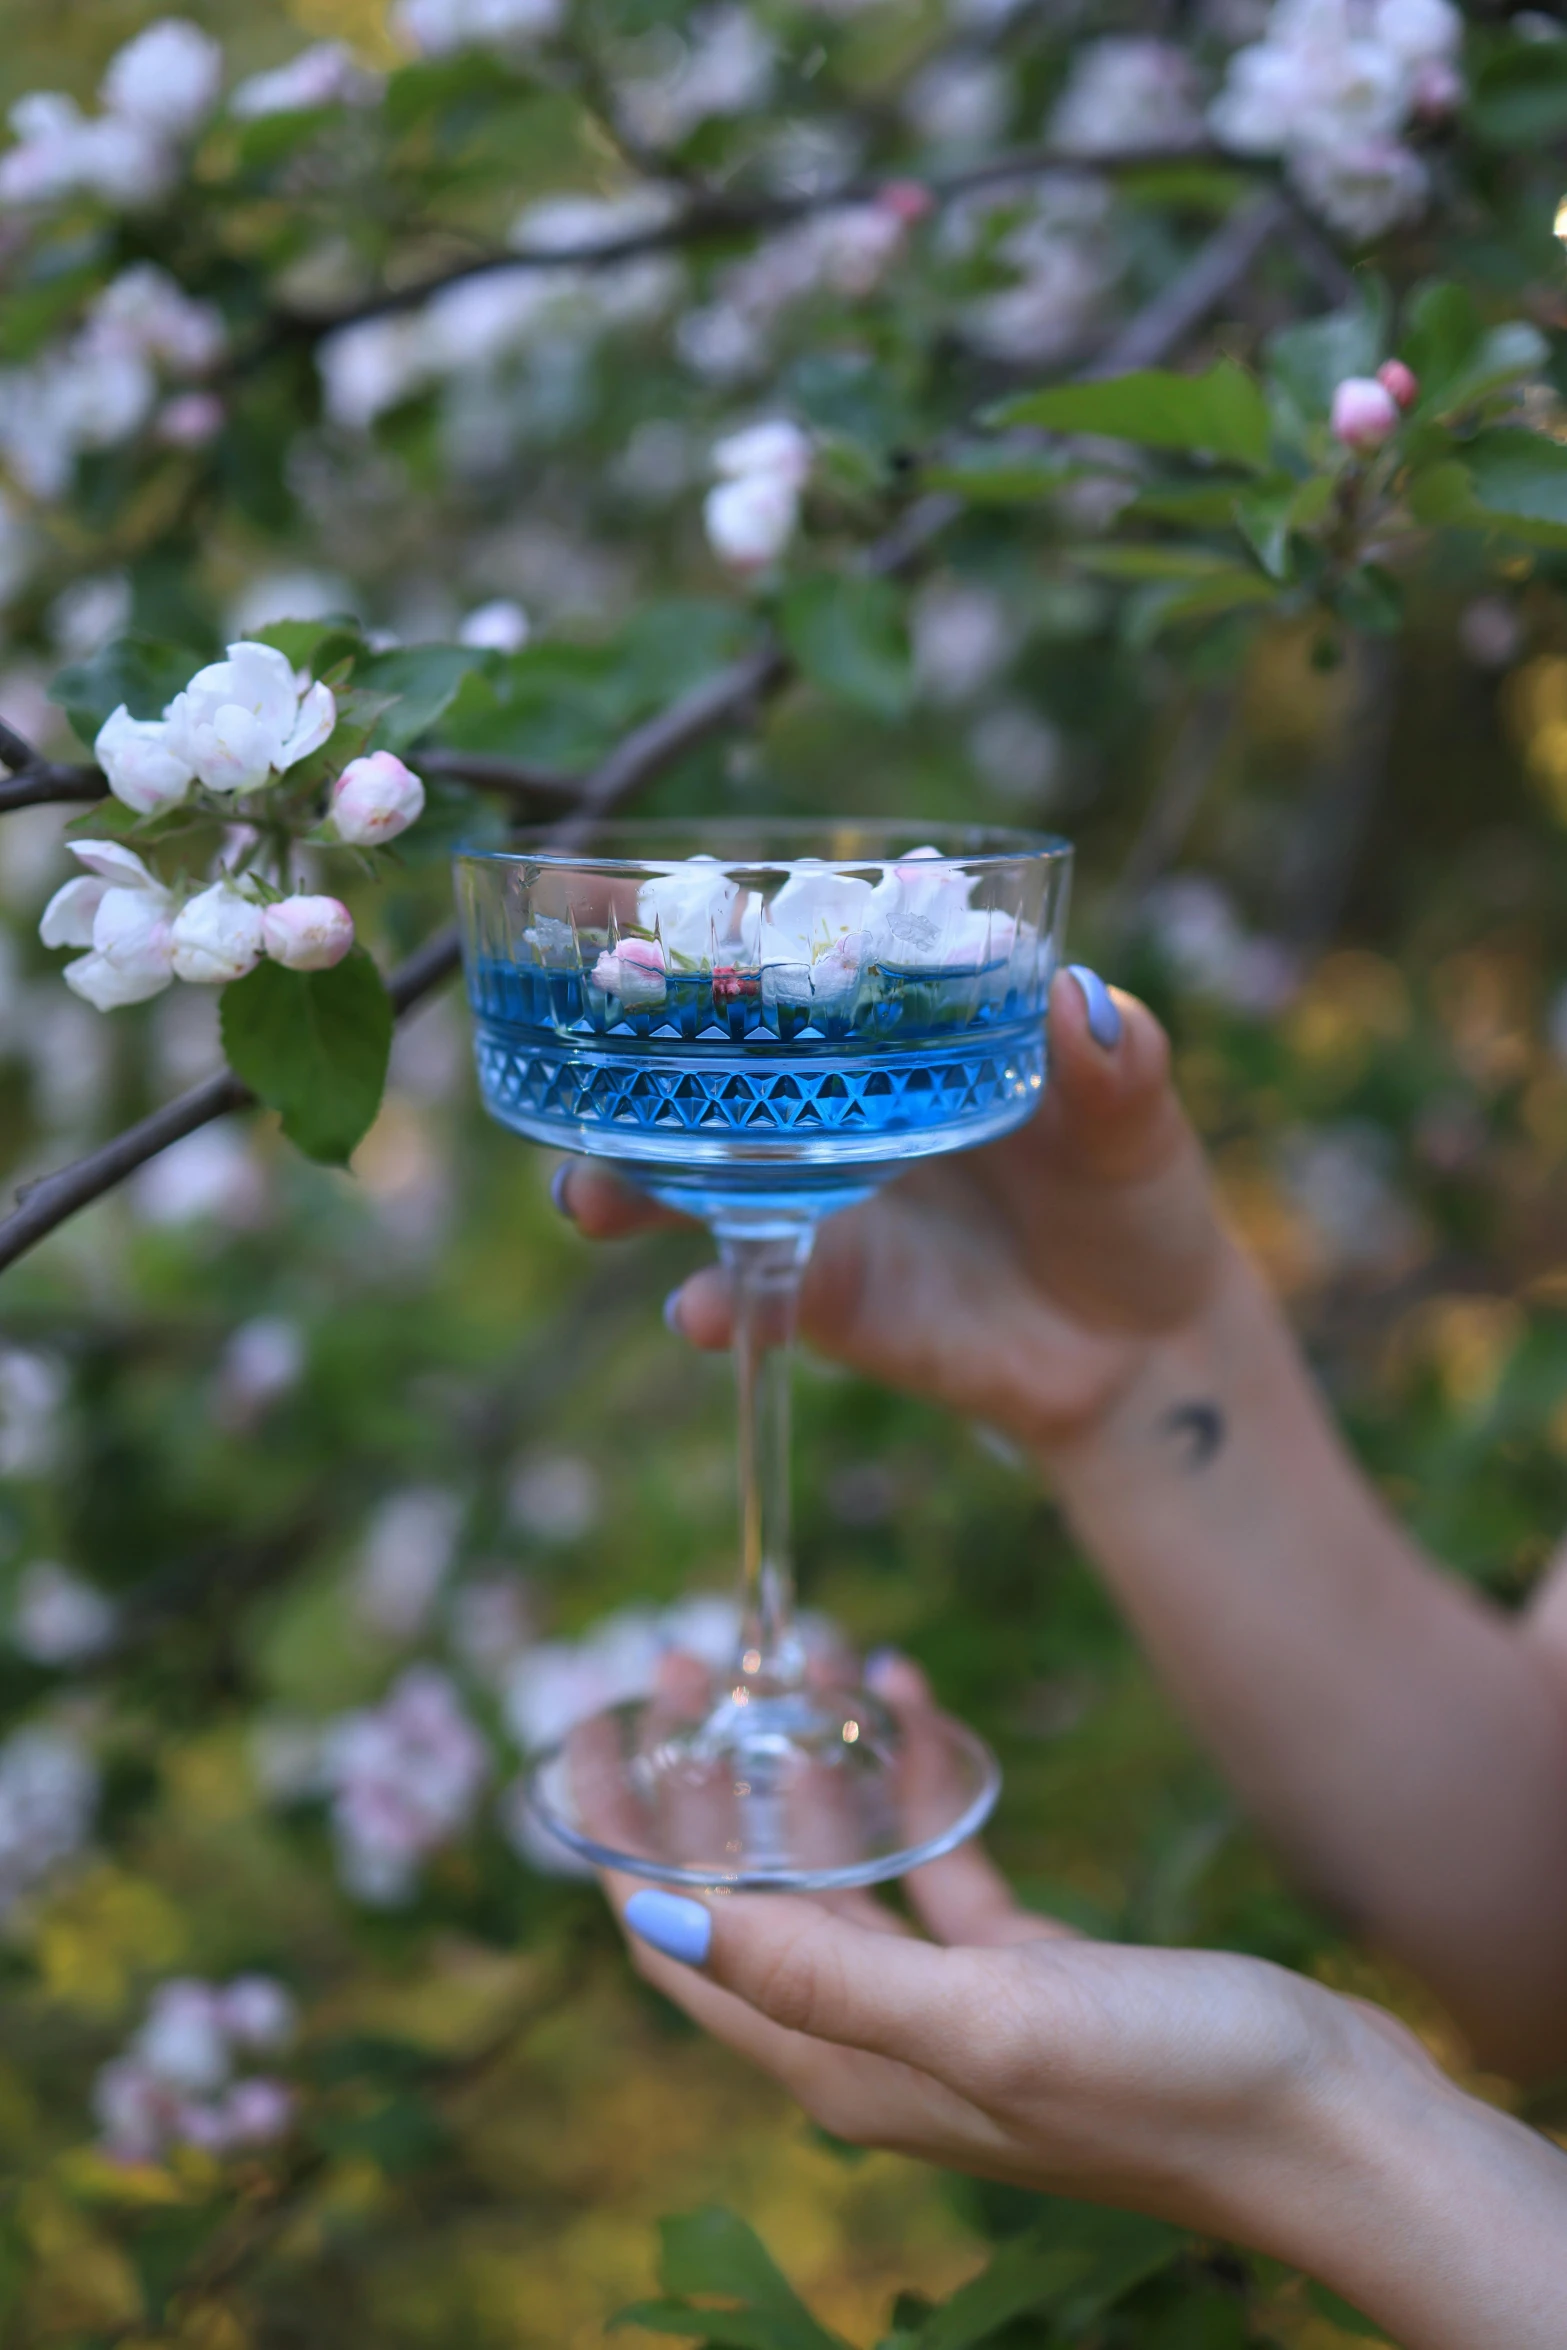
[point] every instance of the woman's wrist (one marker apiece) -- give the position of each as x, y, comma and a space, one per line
1441, 2218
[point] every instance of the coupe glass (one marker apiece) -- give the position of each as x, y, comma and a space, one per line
759, 1025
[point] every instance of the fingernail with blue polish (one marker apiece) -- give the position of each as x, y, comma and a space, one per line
679, 1928
1104, 1018
672, 1321
558, 1182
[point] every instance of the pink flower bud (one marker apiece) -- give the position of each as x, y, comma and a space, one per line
374, 799
189, 420
307, 934
1400, 380
1365, 414
907, 200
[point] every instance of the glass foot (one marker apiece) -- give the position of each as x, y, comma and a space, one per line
803, 1790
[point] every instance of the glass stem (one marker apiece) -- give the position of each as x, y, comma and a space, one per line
765, 1271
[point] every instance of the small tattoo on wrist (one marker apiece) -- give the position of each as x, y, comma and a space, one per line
1199, 1427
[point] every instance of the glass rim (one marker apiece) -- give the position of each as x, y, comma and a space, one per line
541, 845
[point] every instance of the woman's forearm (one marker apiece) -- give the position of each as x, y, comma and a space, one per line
1399, 1738
1438, 2217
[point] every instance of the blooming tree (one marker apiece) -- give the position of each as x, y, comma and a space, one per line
517, 408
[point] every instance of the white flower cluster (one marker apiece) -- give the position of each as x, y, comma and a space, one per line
437, 28
1331, 87
1054, 239
158, 91
812, 939
404, 1778
48, 1793
1127, 93
59, 1618
846, 251
722, 65
474, 327
238, 726
102, 386
1194, 924
752, 514
175, 2083
325, 74
32, 1391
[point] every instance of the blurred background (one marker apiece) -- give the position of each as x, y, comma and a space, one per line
322, 1494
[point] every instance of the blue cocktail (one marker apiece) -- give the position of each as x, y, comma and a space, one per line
759, 1026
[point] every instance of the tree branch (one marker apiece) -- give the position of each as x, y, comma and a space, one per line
643, 754
34, 778
710, 220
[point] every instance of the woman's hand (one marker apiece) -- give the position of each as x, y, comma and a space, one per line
1219, 2092
1019, 1284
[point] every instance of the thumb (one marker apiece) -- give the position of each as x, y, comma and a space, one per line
1110, 1113
811, 1971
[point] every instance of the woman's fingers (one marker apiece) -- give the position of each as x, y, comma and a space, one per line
808, 1971
602, 1205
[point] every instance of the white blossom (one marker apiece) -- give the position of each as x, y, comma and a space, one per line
325, 74
501, 626
167, 78
1362, 189
58, 1617
216, 936
32, 1390
1126, 93
242, 718
261, 1362
89, 612
404, 1778
190, 420
960, 101
1364, 414
555, 1496
724, 67
437, 27
59, 152
372, 366
374, 799
1057, 245
48, 1793
141, 768
125, 915
408, 1550
174, 2084
307, 933
961, 635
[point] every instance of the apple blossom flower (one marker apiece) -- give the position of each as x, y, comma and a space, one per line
307, 934
634, 970
325, 74
1362, 188
724, 67
404, 1778
435, 28
167, 78
1400, 380
48, 1792
374, 799
960, 101
501, 626
59, 1617
776, 448
410, 1545
256, 2012
749, 522
262, 1361
1364, 414
216, 936
124, 914
60, 152
695, 911
242, 718
190, 420
141, 768
1124, 93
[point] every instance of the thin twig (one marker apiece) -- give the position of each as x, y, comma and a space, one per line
711, 220
46, 779
643, 754
489, 772
1153, 334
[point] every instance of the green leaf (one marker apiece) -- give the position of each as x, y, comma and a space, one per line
1153, 562
1075, 2260
1371, 600
1220, 414
731, 2329
316, 645
1347, 2318
1309, 360
999, 477
1201, 505
425, 680
141, 671
1520, 94
1457, 359
1515, 472
849, 637
1164, 604
313, 1045
712, 2251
